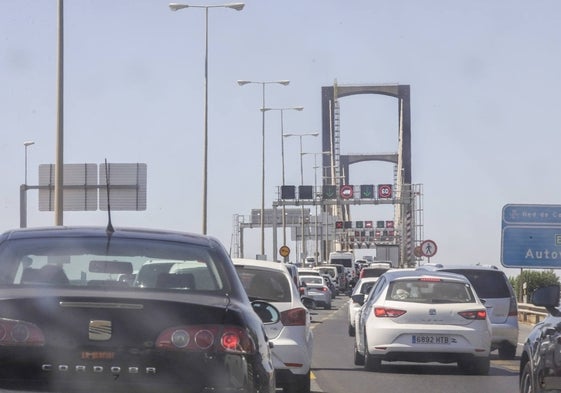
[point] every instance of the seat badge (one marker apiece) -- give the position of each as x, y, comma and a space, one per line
99, 330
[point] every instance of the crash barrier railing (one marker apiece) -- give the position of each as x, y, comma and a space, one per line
528, 313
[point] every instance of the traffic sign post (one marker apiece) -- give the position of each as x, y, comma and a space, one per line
531, 236
284, 252
428, 248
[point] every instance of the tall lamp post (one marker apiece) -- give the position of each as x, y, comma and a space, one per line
176, 7
59, 151
302, 135
23, 190
315, 191
281, 110
26, 144
263, 84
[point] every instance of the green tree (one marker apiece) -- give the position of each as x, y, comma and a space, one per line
533, 279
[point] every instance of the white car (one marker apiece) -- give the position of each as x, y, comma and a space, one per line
364, 285
421, 316
304, 271
317, 290
333, 273
492, 285
292, 336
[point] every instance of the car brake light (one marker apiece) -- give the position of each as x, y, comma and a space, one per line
206, 338
20, 333
294, 317
513, 308
430, 279
383, 312
474, 314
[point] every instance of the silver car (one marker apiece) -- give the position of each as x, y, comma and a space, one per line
493, 287
318, 290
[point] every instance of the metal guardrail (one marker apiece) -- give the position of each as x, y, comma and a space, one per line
528, 313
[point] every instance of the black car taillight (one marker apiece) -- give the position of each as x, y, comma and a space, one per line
294, 317
20, 333
209, 338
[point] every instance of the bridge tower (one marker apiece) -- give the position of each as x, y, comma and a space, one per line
337, 165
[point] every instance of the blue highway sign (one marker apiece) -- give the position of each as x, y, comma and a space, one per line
531, 215
531, 247
531, 236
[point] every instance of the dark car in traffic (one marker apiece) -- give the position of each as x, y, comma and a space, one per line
540, 362
76, 315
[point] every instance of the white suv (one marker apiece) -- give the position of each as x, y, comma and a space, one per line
493, 287
291, 337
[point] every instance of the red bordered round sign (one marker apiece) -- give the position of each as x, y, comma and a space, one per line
346, 192
428, 248
385, 191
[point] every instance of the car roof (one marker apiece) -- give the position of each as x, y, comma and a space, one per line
308, 270
368, 279
257, 263
100, 231
439, 266
396, 274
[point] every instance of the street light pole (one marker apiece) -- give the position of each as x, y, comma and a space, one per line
263, 84
281, 110
176, 7
300, 136
315, 194
23, 191
59, 153
26, 144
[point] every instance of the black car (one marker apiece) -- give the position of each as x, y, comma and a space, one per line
135, 310
540, 362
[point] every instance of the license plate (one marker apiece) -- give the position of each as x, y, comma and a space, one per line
430, 339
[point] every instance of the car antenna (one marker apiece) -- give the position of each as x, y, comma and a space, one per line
109, 228
227, 308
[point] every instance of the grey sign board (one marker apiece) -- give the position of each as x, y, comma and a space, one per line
127, 187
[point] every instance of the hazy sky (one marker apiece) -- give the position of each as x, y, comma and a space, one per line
484, 78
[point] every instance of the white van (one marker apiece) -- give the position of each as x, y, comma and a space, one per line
345, 258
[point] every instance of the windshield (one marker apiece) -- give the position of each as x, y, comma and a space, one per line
346, 262
417, 291
119, 263
487, 283
264, 284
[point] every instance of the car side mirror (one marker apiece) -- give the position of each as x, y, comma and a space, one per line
547, 297
266, 311
358, 298
308, 302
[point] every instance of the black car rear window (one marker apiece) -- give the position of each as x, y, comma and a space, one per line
117, 263
264, 284
373, 272
487, 283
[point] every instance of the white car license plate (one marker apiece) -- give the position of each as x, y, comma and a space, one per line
430, 339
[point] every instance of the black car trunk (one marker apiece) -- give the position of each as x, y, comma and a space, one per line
111, 342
